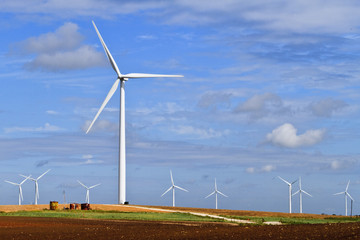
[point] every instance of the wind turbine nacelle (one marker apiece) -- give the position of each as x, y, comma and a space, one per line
123, 79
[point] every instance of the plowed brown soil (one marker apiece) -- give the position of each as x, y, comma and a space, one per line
64, 228
61, 228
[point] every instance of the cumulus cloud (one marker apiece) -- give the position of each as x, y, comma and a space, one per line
259, 106
84, 57
326, 107
286, 136
65, 37
60, 50
46, 128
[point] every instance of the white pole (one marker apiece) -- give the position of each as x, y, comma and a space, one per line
216, 206
345, 204
300, 201
36, 192
173, 196
290, 198
122, 159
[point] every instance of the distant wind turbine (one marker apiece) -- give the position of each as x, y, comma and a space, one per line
20, 189
346, 193
300, 191
87, 199
120, 79
173, 186
216, 192
290, 190
36, 184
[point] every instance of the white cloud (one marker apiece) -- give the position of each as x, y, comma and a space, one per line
266, 168
52, 112
60, 50
84, 57
65, 37
199, 132
286, 136
326, 107
46, 128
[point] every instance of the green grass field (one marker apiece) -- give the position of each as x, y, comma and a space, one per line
97, 214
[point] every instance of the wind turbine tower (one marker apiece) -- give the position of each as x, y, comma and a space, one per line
87, 199
21, 198
36, 185
173, 186
346, 193
300, 191
216, 192
121, 79
290, 190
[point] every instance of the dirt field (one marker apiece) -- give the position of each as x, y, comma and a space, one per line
61, 228
64, 228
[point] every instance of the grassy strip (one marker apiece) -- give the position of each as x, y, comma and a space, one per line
97, 214
296, 220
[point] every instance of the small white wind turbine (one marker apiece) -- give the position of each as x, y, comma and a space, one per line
20, 189
87, 199
300, 191
36, 184
216, 192
290, 190
173, 186
346, 195
121, 78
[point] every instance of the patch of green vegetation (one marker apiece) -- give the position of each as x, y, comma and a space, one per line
296, 220
96, 214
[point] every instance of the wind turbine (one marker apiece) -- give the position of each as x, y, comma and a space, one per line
87, 199
121, 78
346, 195
300, 191
216, 195
36, 184
173, 186
290, 190
20, 189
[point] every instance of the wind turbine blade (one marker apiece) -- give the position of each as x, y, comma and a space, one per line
172, 180
222, 194
25, 179
82, 184
108, 97
306, 193
294, 182
347, 186
167, 191
12, 183
350, 196
147, 75
181, 188
284, 180
30, 178
210, 194
215, 185
95, 185
295, 193
339, 193
43, 174
108, 54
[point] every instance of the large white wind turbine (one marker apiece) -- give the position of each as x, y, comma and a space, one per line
173, 186
87, 199
346, 195
36, 184
216, 192
290, 190
300, 191
121, 78
20, 189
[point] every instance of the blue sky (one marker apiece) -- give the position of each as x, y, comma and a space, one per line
270, 89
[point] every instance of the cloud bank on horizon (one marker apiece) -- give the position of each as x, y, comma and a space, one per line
268, 90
